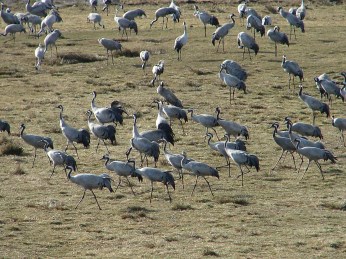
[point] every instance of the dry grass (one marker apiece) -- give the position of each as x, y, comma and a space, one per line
275, 214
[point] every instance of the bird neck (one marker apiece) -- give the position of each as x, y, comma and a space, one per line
300, 91
232, 19
69, 176
22, 131
93, 102
107, 160
135, 132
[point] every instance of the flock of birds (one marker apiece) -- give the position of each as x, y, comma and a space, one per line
150, 143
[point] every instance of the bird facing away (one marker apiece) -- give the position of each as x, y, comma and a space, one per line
314, 104
95, 18
205, 18
292, 68
35, 141
246, 41
315, 154
5, 126
132, 14
39, 55
232, 128
233, 68
278, 37
110, 45
90, 182
73, 135
255, 23
340, 124
164, 12
50, 40
232, 82
144, 56
293, 21
157, 70
168, 95
206, 120
180, 41
221, 32
157, 175
13, 29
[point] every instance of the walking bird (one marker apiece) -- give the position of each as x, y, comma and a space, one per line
162, 124
255, 23
180, 41
144, 56
174, 160
93, 4
278, 37
174, 112
168, 95
232, 82
340, 124
292, 20
73, 135
164, 12
157, 70
90, 182
232, 128
124, 24
206, 120
330, 88
95, 18
221, 32
300, 12
39, 55
205, 18
233, 68
13, 29
5, 126
246, 41
292, 68
107, 3
110, 45
50, 40
32, 21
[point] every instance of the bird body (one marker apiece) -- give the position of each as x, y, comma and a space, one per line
180, 41
221, 32
32, 21
233, 68
157, 70
110, 45
5, 126
206, 120
174, 160
267, 20
232, 128
144, 56
49, 20
50, 40
8, 18
246, 41
38, 8
124, 24
174, 112
206, 18
305, 129
164, 12
95, 18
293, 20
255, 23
162, 124
301, 11
168, 95
13, 29
292, 68
39, 55
106, 114
330, 88
278, 37
340, 124
132, 14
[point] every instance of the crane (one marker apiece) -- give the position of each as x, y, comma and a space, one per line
174, 112
110, 45
206, 120
340, 124
305, 129
233, 68
205, 18
144, 56
168, 95
293, 20
174, 160
231, 127
95, 18
164, 12
48, 21
157, 70
232, 82
278, 37
39, 55
221, 32
5, 126
132, 14
13, 29
292, 68
253, 22
180, 42
50, 40
329, 88
246, 41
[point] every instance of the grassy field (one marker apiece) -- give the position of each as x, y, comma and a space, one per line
274, 215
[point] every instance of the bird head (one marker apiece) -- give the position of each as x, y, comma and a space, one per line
105, 157
279, 9
60, 107
256, 48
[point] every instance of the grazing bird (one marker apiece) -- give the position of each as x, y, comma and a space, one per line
132, 14
102, 132
157, 70
122, 169
315, 154
233, 68
251, 11
314, 104
206, 120
292, 68
38, 8
13, 29
144, 56
95, 18
157, 175
164, 12
5, 126
267, 20
48, 21
278, 37
174, 160
180, 41
90, 182
110, 45
168, 95
246, 41
205, 18
8, 17
221, 32
305, 129
32, 21
124, 24
50, 40
35, 141
232, 128
232, 82
242, 158
39, 55
330, 88
199, 169
340, 124
255, 23
73, 135
292, 20
174, 112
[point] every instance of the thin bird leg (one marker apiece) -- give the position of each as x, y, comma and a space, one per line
52, 171
98, 142
33, 163
96, 199
294, 30
223, 44
300, 166
75, 148
276, 50
128, 153
319, 167
195, 185
218, 46
216, 134
306, 169
130, 185
182, 177
242, 175
152, 188
56, 50
208, 185
243, 52
282, 153
182, 126
342, 137
313, 117
205, 30
290, 31
289, 82
233, 93
249, 53
105, 146
166, 22
170, 198
118, 184
81, 199
294, 85
107, 57
294, 161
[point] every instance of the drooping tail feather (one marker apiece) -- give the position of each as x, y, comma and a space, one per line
253, 161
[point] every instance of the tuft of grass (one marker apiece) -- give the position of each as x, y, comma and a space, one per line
127, 53
18, 170
75, 58
336, 245
240, 200
209, 252
182, 207
334, 206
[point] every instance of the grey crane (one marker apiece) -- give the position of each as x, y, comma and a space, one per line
300, 12
35, 141
292, 68
110, 45
49, 20
168, 95
205, 18
232, 82
267, 20
164, 12
8, 18
157, 175
255, 23
13, 29
233, 68
174, 160
5, 126
102, 132
314, 104
319, 87
73, 135
90, 182
340, 124
132, 14
231, 127
251, 11
330, 88
285, 133
38, 8
174, 112
221, 32
122, 169
162, 124
157, 70
242, 158
246, 41
242, 11
124, 24
315, 154
206, 120
95, 18
50, 40
305, 129
343, 89
32, 21
278, 37
144, 56
199, 169
180, 42
292, 20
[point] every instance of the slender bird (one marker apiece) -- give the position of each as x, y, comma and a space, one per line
255, 23
110, 45
157, 70
205, 18
232, 128
32, 21
278, 37
49, 20
340, 124
50, 40
174, 112
168, 95
39, 55
293, 20
38, 8
5, 126
292, 68
232, 82
174, 160
108, 3
95, 18
246, 41
206, 120
162, 124
8, 17
180, 41
221, 32
305, 129
13, 29
144, 56
164, 12
301, 11
90, 182
124, 24
233, 68
330, 88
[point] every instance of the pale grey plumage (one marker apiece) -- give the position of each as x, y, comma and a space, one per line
8, 18
174, 112
246, 41
49, 20
95, 18
164, 12
340, 124
38, 8
13, 29
278, 37
132, 14
205, 18
157, 70
330, 88
51, 39
168, 95
232, 128
292, 68
232, 82
174, 160
221, 32
233, 68
32, 21
180, 42
292, 20
110, 45
305, 129
255, 23
125, 24
206, 120
267, 20
144, 56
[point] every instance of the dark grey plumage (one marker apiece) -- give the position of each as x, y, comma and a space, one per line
294, 21
330, 88
168, 95
246, 41
132, 14
256, 24
292, 68
164, 12
233, 68
5, 126
305, 129
278, 37
340, 124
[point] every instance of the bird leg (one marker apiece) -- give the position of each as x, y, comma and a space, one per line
243, 52
182, 177
107, 57
75, 148
230, 96
95, 198
294, 30
242, 175
289, 82
276, 50
217, 50
215, 133
52, 172
56, 50
182, 126
112, 57
98, 142
195, 185
205, 30
170, 198
282, 153
208, 185
105, 145
249, 53
290, 31
306, 169
166, 22
128, 153
294, 161
313, 117
33, 163
233, 93
130, 186
223, 44
118, 184
151, 194
81, 199
342, 138
319, 167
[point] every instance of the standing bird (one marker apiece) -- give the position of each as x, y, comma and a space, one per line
73, 135
8, 17
315, 154
90, 182
232, 128
267, 20
180, 41
329, 87
38, 8
340, 124
164, 12
93, 4
221, 32
233, 68
110, 45
293, 21
246, 41
174, 160
278, 37
157, 70
124, 24
242, 11
5, 126
13, 29
39, 55
107, 3
314, 104
144, 56
174, 112
35, 141
50, 40
232, 82
301, 11
205, 18
305, 129
162, 124
242, 158
255, 23
168, 95
292, 68
132, 14
32, 21
95, 18
206, 120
